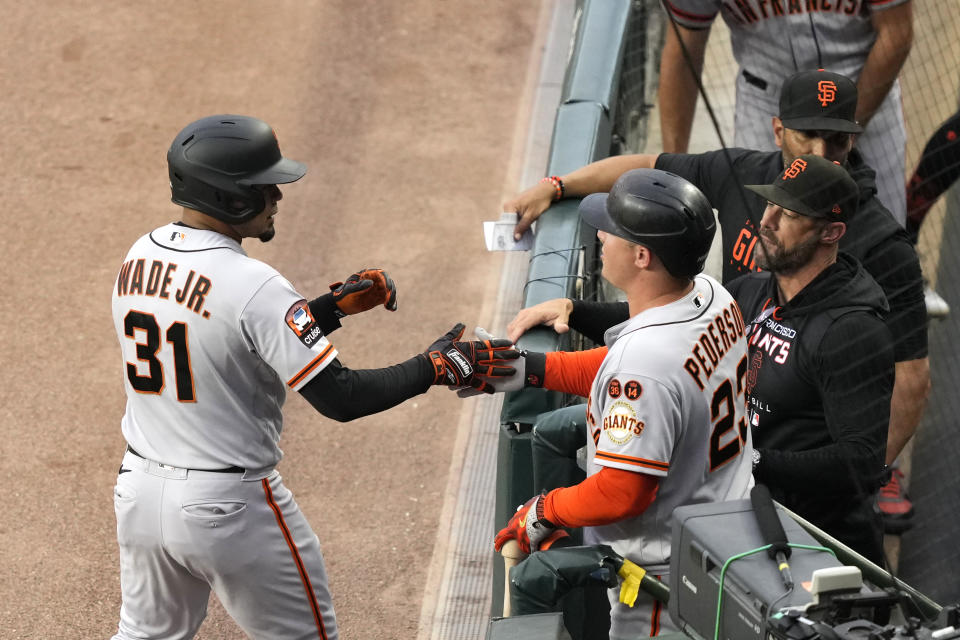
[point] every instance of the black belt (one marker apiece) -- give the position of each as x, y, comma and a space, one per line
759, 83
227, 470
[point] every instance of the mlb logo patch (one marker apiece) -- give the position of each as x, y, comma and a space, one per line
301, 322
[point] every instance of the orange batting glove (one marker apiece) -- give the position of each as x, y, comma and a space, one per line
364, 290
529, 527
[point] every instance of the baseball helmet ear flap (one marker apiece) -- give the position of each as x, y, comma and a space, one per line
231, 205
661, 211
216, 164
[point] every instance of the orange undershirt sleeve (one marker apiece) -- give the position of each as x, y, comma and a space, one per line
572, 371
608, 496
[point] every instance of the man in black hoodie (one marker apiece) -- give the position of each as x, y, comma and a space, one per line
821, 358
808, 123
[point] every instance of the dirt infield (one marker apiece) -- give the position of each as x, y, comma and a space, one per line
405, 115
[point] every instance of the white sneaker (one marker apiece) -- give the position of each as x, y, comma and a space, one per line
937, 307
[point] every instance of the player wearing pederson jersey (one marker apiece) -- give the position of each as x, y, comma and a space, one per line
211, 341
666, 422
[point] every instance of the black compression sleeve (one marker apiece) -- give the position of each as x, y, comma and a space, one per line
345, 394
592, 319
324, 311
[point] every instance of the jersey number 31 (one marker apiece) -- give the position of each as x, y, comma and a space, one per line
148, 346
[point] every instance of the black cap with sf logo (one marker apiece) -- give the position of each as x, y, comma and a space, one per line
815, 187
819, 100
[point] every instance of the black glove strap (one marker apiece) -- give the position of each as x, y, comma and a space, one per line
439, 369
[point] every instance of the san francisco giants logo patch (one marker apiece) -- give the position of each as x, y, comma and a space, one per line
632, 390
826, 92
613, 389
620, 423
796, 167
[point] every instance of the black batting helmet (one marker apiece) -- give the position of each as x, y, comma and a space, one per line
659, 210
216, 162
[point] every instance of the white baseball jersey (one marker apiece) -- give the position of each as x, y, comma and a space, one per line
669, 401
773, 39
211, 340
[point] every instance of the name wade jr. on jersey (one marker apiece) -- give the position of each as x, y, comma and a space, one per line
135, 279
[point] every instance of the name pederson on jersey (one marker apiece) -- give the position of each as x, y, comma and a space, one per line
669, 401
211, 339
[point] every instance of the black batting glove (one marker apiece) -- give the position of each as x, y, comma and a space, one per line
467, 364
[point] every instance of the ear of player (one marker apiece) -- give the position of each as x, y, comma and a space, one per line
460, 364
364, 290
529, 527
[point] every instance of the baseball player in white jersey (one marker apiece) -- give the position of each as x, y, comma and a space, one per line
211, 340
666, 416
866, 40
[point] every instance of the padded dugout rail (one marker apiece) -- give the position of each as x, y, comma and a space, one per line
582, 133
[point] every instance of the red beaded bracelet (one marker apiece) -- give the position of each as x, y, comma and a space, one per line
557, 184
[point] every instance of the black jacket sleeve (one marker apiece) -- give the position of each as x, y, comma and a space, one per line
855, 368
345, 394
592, 319
894, 264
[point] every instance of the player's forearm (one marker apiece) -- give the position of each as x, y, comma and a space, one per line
344, 394
889, 52
592, 319
678, 86
599, 176
910, 392
608, 496
570, 371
